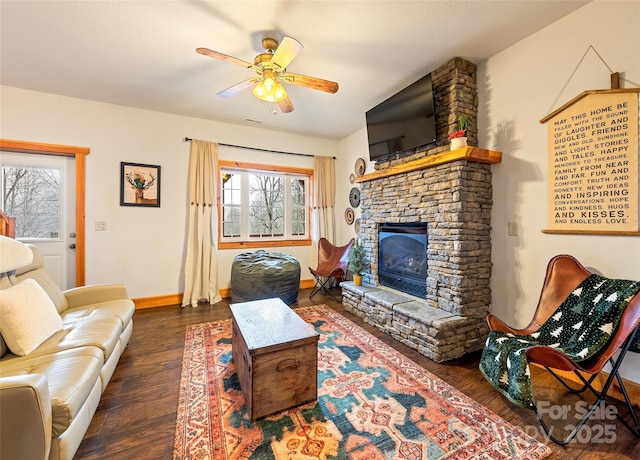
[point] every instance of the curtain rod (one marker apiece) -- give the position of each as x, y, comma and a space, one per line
188, 139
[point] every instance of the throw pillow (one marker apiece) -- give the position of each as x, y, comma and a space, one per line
27, 317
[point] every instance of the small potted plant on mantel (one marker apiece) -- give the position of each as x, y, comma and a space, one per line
358, 262
459, 137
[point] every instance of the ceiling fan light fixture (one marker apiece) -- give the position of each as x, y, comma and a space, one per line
269, 90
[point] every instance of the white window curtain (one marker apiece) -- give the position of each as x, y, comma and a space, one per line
201, 264
324, 197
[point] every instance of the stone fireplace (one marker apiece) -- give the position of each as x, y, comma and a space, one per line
449, 195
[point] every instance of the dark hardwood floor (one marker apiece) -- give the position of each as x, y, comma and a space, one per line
137, 412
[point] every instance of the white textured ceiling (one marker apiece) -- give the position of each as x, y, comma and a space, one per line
142, 53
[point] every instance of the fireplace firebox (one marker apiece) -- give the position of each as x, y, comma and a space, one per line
402, 257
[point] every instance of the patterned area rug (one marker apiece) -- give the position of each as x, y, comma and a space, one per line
373, 403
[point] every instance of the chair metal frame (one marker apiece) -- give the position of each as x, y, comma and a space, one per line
564, 273
600, 396
332, 267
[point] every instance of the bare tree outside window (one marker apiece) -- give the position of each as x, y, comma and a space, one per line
231, 204
298, 208
32, 195
266, 205
263, 206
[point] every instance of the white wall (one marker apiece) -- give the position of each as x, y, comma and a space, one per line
517, 88
351, 148
144, 247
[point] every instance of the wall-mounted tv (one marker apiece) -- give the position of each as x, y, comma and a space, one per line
404, 121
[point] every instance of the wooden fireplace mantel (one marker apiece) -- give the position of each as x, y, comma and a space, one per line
474, 154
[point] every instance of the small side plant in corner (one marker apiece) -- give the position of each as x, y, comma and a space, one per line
358, 262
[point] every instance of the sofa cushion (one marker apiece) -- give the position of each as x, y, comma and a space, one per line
71, 376
122, 309
28, 317
36, 271
102, 334
14, 254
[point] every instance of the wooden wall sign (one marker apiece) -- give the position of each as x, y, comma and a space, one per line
593, 164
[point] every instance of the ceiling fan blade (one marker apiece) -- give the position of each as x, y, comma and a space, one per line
238, 87
310, 82
224, 57
286, 106
285, 53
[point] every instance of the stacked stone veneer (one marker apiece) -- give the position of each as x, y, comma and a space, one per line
455, 201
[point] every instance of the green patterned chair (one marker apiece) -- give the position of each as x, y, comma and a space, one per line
583, 321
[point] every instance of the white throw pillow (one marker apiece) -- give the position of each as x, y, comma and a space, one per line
28, 317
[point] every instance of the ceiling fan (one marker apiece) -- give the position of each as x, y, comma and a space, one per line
271, 70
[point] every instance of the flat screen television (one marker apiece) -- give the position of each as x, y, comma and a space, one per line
404, 121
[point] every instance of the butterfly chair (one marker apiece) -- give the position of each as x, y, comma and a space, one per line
565, 278
332, 266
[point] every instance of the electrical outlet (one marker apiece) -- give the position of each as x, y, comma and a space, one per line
101, 226
513, 229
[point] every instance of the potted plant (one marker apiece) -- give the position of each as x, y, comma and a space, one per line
358, 262
459, 137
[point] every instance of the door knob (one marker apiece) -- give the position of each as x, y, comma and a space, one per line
72, 246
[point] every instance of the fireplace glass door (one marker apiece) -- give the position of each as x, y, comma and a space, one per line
402, 257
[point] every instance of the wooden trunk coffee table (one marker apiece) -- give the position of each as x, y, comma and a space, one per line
276, 356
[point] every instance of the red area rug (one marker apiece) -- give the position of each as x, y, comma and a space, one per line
373, 403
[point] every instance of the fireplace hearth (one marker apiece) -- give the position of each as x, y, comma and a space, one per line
402, 257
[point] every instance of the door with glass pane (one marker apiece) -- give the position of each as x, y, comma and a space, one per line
39, 191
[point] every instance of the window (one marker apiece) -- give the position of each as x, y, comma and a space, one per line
260, 206
32, 195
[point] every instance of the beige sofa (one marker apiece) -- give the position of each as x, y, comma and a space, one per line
58, 351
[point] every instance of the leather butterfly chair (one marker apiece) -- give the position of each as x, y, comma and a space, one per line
332, 266
564, 273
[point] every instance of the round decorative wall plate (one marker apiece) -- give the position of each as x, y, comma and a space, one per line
349, 215
360, 166
356, 225
354, 197
352, 178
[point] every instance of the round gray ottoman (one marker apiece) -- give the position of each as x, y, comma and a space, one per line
263, 275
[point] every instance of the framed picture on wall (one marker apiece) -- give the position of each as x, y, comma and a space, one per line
139, 185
